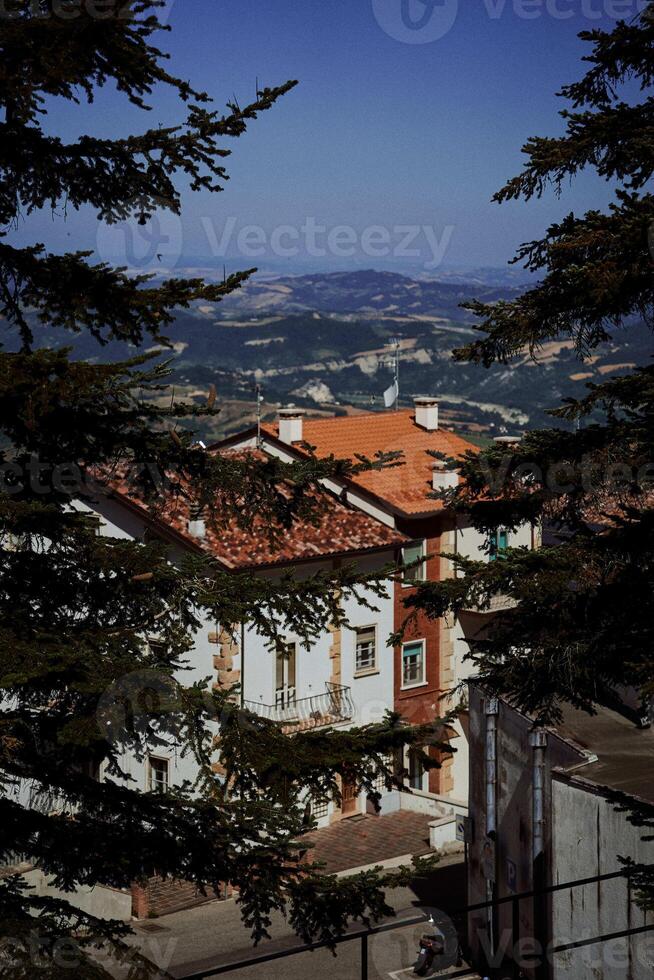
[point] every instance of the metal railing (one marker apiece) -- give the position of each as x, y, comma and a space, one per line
330, 708
491, 969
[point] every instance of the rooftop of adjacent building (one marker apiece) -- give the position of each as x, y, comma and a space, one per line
416, 433
336, 531
625, 753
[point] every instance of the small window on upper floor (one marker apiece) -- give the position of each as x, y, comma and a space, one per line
413, 664
158, 775
410, 554
498, 543
157, 647
365, 655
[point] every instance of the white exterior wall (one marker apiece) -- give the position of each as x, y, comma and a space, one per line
588, 836
471, 543
371, 694
120, 522
461, 758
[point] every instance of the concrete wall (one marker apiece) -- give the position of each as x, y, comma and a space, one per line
102, 902
514, 865
372, 693
588, 835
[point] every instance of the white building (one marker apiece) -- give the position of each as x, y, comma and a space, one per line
343, 679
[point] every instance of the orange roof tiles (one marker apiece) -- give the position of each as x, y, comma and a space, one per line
406, 487
340, 530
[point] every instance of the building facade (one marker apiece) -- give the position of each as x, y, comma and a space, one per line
430, 665
341, 679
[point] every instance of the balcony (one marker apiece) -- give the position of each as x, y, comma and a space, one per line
498, 603
331, 708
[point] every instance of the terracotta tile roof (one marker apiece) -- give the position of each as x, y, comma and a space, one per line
369, 840
339, 531
407, 487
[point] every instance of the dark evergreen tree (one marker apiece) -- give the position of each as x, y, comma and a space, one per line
75, 606
582, 627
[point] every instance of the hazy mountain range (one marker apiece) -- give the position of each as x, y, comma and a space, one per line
322, 340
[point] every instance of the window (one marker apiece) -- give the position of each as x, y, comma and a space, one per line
319, 809
412, 553
365, 657
158, 779
157, 647
416, 769
380, 781
285, 676
499, 542
413, 664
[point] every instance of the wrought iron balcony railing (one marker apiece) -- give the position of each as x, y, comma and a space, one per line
331, 708
498, 603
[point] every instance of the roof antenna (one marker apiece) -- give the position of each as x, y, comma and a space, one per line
396, 342
392, 393
259, 403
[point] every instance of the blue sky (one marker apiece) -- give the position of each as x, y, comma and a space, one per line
380, 132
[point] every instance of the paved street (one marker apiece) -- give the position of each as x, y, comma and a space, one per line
199, 939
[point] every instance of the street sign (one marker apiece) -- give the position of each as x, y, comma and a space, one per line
464, 829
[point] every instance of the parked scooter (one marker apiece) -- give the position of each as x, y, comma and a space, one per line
431, 946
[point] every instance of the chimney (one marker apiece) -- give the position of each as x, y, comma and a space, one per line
290, 424
426, 413
442, 478
197, 526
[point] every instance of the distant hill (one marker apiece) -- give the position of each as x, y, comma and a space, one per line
362, 292
322, 341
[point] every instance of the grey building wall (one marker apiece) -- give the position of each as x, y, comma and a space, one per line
588, 837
